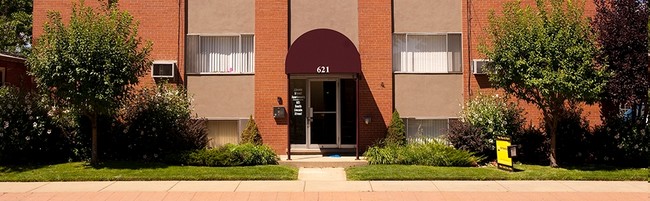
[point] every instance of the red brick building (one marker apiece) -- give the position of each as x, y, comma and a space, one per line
316, 75
14, 73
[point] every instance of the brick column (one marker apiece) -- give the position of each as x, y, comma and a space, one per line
271, 36
376, 85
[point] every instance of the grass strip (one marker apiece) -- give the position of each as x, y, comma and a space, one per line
129, 171
527, 172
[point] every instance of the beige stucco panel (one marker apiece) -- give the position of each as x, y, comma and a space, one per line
428, 16
222, 96
428, 95
338, 15
220, 16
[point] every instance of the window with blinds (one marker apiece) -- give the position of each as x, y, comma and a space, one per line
420, 53
425, 128
220, 54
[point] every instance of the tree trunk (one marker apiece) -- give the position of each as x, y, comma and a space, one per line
94, 157
553, 132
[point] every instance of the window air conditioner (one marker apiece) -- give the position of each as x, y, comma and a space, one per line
477, 66
163, 69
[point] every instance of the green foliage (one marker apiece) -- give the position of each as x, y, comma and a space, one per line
396, 134
251, 134
483, 118
15, 26
430, 152
27, 132
229, 155
90, 63
545, 56
157, 122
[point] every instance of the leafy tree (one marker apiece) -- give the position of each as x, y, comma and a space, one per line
90, 64
251, 134
15, 26
622, 29
544, 55
396, 131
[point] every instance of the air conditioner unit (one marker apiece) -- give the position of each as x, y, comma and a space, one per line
163, 69
478, 65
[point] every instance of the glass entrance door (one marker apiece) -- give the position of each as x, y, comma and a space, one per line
323, 114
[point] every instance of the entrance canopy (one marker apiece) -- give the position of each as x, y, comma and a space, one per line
323, 51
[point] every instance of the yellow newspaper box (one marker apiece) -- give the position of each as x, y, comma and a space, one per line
505, 152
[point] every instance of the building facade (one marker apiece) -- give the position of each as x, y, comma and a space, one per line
315, 75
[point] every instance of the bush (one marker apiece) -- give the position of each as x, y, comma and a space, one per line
619, 142
157, 122
251, 134
229, 155
27, 132
533, 146
396, 134
482, 119
430, 152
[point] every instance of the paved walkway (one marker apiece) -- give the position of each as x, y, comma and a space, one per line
326, 190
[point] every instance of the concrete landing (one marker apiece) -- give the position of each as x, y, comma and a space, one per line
320, 161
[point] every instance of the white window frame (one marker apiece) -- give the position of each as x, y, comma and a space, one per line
173, 63
446, 34
475, 68
199, 62
4, 74
406, 122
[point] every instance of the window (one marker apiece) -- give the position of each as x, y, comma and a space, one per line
222, 132
422, 53
2, 77
220, 54
425, 128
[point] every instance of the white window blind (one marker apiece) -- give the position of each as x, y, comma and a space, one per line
222, 132
220, 54
426, 128
427, 53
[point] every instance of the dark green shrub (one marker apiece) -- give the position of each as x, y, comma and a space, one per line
430, 152
533, 146
229, 155
573, 137
482, 119
28, 134
157, 122
251, 134
396, 134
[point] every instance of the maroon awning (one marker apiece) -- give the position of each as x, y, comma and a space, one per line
322, 51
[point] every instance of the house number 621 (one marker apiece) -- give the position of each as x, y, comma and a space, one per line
322, 69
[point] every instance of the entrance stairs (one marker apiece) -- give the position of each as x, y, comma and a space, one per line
322, 161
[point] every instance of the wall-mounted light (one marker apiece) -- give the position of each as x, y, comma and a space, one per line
279, 100
367, 119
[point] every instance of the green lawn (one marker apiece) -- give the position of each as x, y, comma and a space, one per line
123, 171
529, 172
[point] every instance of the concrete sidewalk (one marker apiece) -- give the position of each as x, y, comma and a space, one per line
328, 186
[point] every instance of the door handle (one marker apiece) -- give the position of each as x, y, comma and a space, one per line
310, 115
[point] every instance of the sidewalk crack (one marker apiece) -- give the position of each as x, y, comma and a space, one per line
101, 189
173, 186
237, 186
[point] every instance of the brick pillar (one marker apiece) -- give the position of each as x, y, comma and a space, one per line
376, 86
271, 36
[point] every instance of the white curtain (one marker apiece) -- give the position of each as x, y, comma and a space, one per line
427, 53
428, 128
221, 54
222, 132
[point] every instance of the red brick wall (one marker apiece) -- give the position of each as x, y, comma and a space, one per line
473, 84
271, 41
16, 73
161, 22
375, 47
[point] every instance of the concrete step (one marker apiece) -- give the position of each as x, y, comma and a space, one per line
320, 161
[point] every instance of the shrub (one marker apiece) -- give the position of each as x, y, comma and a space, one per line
533, 146
229, 155
157, 122
27, 132
430, 152
251, 134
396, 134
482, 119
